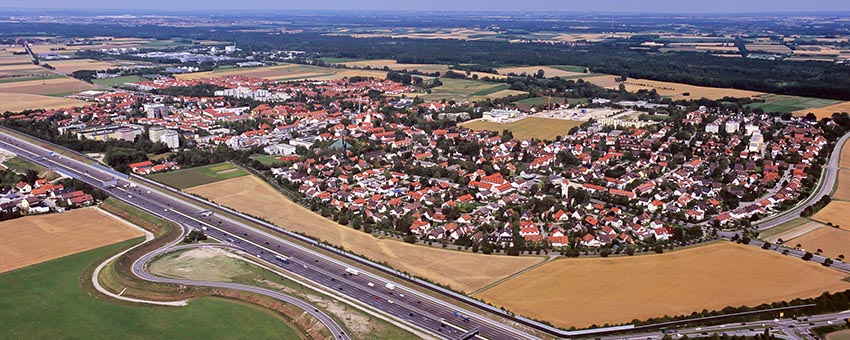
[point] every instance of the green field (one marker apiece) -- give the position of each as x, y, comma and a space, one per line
16, 79
840, 335
569, 68
46, 301
783, 103
462, 89
196, 176
21, 165
526, 104
118, 81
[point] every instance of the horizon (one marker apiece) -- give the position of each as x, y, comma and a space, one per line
600, 6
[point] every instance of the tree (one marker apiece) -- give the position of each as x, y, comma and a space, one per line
807, 256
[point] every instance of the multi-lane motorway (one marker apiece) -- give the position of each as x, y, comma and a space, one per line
423, 311
305, 259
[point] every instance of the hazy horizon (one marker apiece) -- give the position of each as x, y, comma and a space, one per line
602, 6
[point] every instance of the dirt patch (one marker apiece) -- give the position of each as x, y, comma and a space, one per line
582, 292
460, 270
35, 239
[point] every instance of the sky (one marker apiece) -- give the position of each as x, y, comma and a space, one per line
631, 6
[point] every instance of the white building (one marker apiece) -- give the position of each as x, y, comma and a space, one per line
732, 126
155, 110
170, 138
280, 149
712, 128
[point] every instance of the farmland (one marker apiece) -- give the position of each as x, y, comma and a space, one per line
707, 277
836, 213
832, 241
24, 69
531, 127
842, 190
825, 110
840, 335
46, 301
118, 81
467, 271
186, 178
675, 91
46, 87
548, 71
394, 65
34, 239
16, 102
462, 89
69, 66
526, 104
286, 72
783, 103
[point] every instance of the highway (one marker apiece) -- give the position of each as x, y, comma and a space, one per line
304, 258
436, 316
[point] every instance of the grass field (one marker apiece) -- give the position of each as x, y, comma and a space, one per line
286, 72
22, 165
783, 103
191, 177
832, 241
675, 91
46, 301
548, 71
34, 239
526, 104
46, 87
789, 230
835, 212
531, 127
825, 111
41, 77
582, 292
463, 89
840, 335
461, 270
216, 264
118, 81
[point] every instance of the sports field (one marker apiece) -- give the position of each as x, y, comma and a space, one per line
835, 212
46, 87
461, 270
582, 292
825, 111
16, 102
46, 301
463, 89
35, 239
832, 241
531, 127
675, 91
185, 178
784, 103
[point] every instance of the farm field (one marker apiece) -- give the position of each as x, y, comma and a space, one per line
548, 71
46, 87
835, 212
790, 230
185, 178
824, 111
286, 72
466, 272
394, 65
16, 102
526, 104
768, 48
675, 91
842, 191
24, 69
531, 127
707, 277
118, 81
463, 89
46, 301
844, 158
69, 66
34, 239
784, 103
832, 241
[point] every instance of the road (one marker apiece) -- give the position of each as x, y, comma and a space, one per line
829, 177
420, 310
303, 257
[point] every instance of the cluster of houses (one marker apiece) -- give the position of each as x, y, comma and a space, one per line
41, 197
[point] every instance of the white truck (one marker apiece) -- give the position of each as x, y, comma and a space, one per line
352, 271
390, 286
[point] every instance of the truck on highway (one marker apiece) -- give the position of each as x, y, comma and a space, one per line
352, 271
282, 259
390, 286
